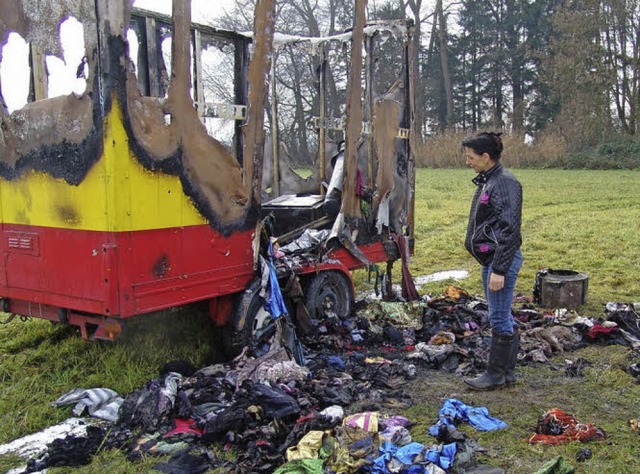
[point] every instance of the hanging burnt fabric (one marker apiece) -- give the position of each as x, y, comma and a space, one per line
409, 291
274, 304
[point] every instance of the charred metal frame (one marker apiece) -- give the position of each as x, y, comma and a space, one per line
323, 122
147, 24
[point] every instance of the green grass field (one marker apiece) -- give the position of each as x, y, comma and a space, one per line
588, 221
582, 220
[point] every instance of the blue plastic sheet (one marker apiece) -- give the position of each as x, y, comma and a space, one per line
454, 411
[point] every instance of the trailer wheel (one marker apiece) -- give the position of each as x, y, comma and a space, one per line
257, 329
329, 295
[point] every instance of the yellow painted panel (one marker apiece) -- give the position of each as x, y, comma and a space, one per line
38, 199
118, 194
142, 199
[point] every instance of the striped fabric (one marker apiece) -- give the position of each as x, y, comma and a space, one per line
100, 402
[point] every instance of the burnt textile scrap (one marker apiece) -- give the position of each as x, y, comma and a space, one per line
69, 451
557, 427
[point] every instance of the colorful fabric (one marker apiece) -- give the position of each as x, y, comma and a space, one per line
184, 427
557, 427
412, 458
301, 466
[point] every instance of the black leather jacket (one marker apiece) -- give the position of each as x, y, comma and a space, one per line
493, 234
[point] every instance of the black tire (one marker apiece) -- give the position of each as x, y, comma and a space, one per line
328, 295
257, 329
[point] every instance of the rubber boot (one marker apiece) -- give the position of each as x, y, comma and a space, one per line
510, 372
499, 357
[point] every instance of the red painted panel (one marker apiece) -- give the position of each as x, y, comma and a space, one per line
169, 267
128, 273
122, 274
57, 267
341, 258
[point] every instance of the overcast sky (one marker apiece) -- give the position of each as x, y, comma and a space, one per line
201, 9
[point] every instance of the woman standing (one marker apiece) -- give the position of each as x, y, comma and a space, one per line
494, 239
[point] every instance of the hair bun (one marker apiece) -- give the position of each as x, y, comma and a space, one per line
495, 136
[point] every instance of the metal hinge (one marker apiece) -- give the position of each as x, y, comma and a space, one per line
225, 111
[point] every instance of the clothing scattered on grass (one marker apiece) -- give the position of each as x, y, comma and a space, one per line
556, 466
454, 411
557, 427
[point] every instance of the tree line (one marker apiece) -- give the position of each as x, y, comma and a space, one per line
532, 68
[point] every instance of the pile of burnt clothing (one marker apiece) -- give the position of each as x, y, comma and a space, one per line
257, 408
444, 333
451, 332
369, 442
260, 407
627, 319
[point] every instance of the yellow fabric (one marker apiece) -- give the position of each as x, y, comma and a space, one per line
308, 447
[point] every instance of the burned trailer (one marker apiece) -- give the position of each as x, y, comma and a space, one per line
349, 97
145, 191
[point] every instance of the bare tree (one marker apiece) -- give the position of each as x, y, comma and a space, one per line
444, 61
621, 41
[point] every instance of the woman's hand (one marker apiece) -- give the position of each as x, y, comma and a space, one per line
496, 282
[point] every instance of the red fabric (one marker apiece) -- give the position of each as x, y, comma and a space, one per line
597, 330
567, 428
305, 418
184, 427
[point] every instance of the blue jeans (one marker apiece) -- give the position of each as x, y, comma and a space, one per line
499, 302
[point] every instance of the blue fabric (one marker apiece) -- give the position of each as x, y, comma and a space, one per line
415, 469
444, 457
404, 457
448, 456
453, 411
406, 454
274, 305
336, 362
379, 465
500, 302
433, 456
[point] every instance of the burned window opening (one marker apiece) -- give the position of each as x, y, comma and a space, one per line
30, 75
66, 75
216, 89
15, 75
57, 61
221, 105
